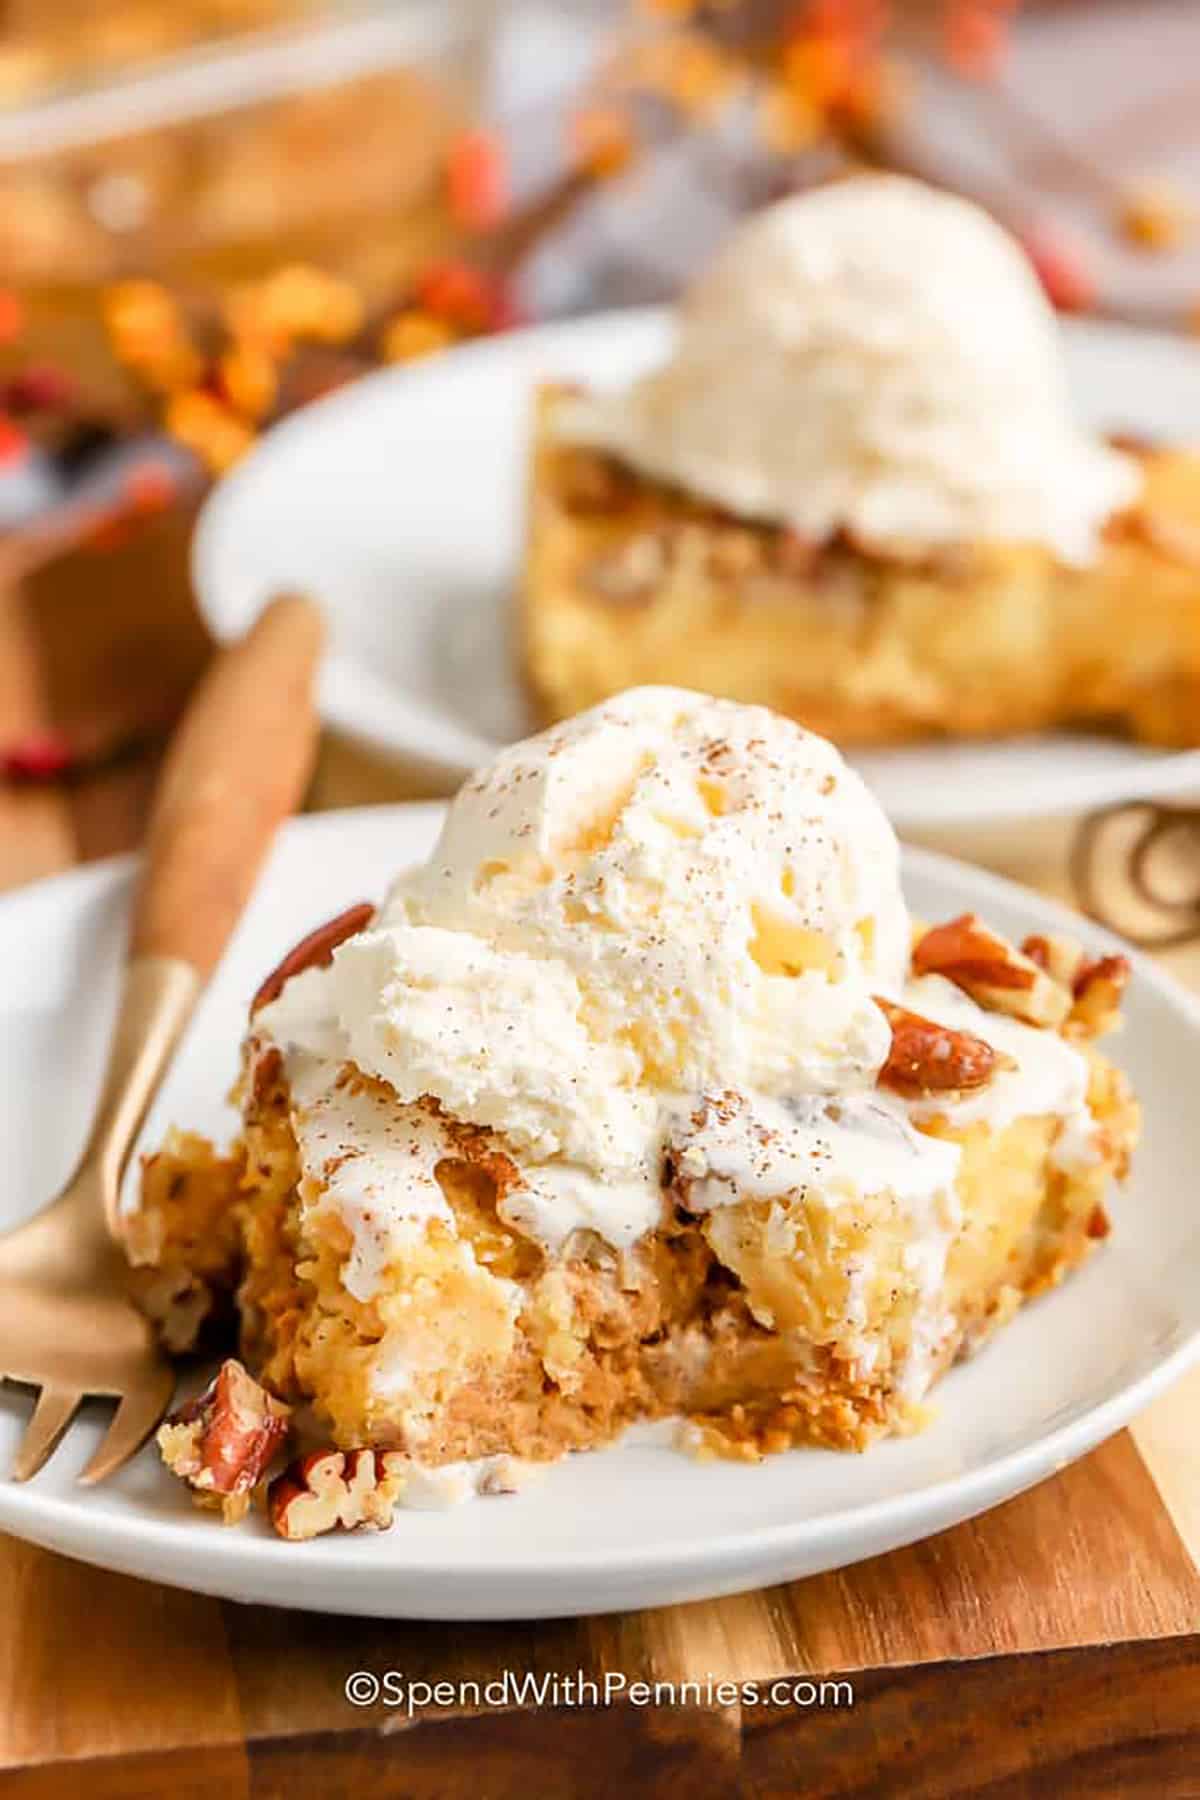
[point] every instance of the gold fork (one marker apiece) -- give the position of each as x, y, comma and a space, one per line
236, 768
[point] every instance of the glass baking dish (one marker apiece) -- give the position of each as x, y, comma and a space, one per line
321, 140
54, 45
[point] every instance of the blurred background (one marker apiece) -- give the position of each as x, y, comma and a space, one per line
214, 211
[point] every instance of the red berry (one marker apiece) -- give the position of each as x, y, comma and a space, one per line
14, 444
457, 293
43, 757
40, 388
1063, 270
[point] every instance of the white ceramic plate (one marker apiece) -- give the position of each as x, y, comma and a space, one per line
638, 1524
399, 503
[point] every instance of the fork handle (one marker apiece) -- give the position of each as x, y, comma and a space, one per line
236, 768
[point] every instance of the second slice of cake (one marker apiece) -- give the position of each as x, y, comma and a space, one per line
854, 492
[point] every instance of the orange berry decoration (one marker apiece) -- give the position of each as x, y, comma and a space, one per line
477, 180
412, 334
211, 430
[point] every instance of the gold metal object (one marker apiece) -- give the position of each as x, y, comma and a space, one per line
1136, 868
67, 1325
235, 769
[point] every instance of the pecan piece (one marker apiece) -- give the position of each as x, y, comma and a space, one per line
1098, 990
928, 1058
1060, 957
351, 1490
222, 1442
312, 952
992, 971
1099, 1224
1095, 984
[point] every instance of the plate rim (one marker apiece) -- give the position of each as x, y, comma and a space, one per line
41, 1517
460, 747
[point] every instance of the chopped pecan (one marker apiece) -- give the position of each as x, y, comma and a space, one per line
1094, 985
1060, 957
928, 1058
992, 971
312, 952
222, 1442
1098, 991
1099, 1224
350, 1490
1133, 443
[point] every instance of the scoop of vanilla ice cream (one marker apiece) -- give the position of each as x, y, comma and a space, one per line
666, 895
877, 357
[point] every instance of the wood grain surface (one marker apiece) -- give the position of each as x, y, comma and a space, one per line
1050, 1647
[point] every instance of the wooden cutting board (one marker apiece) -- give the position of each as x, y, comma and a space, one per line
1052, 1646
